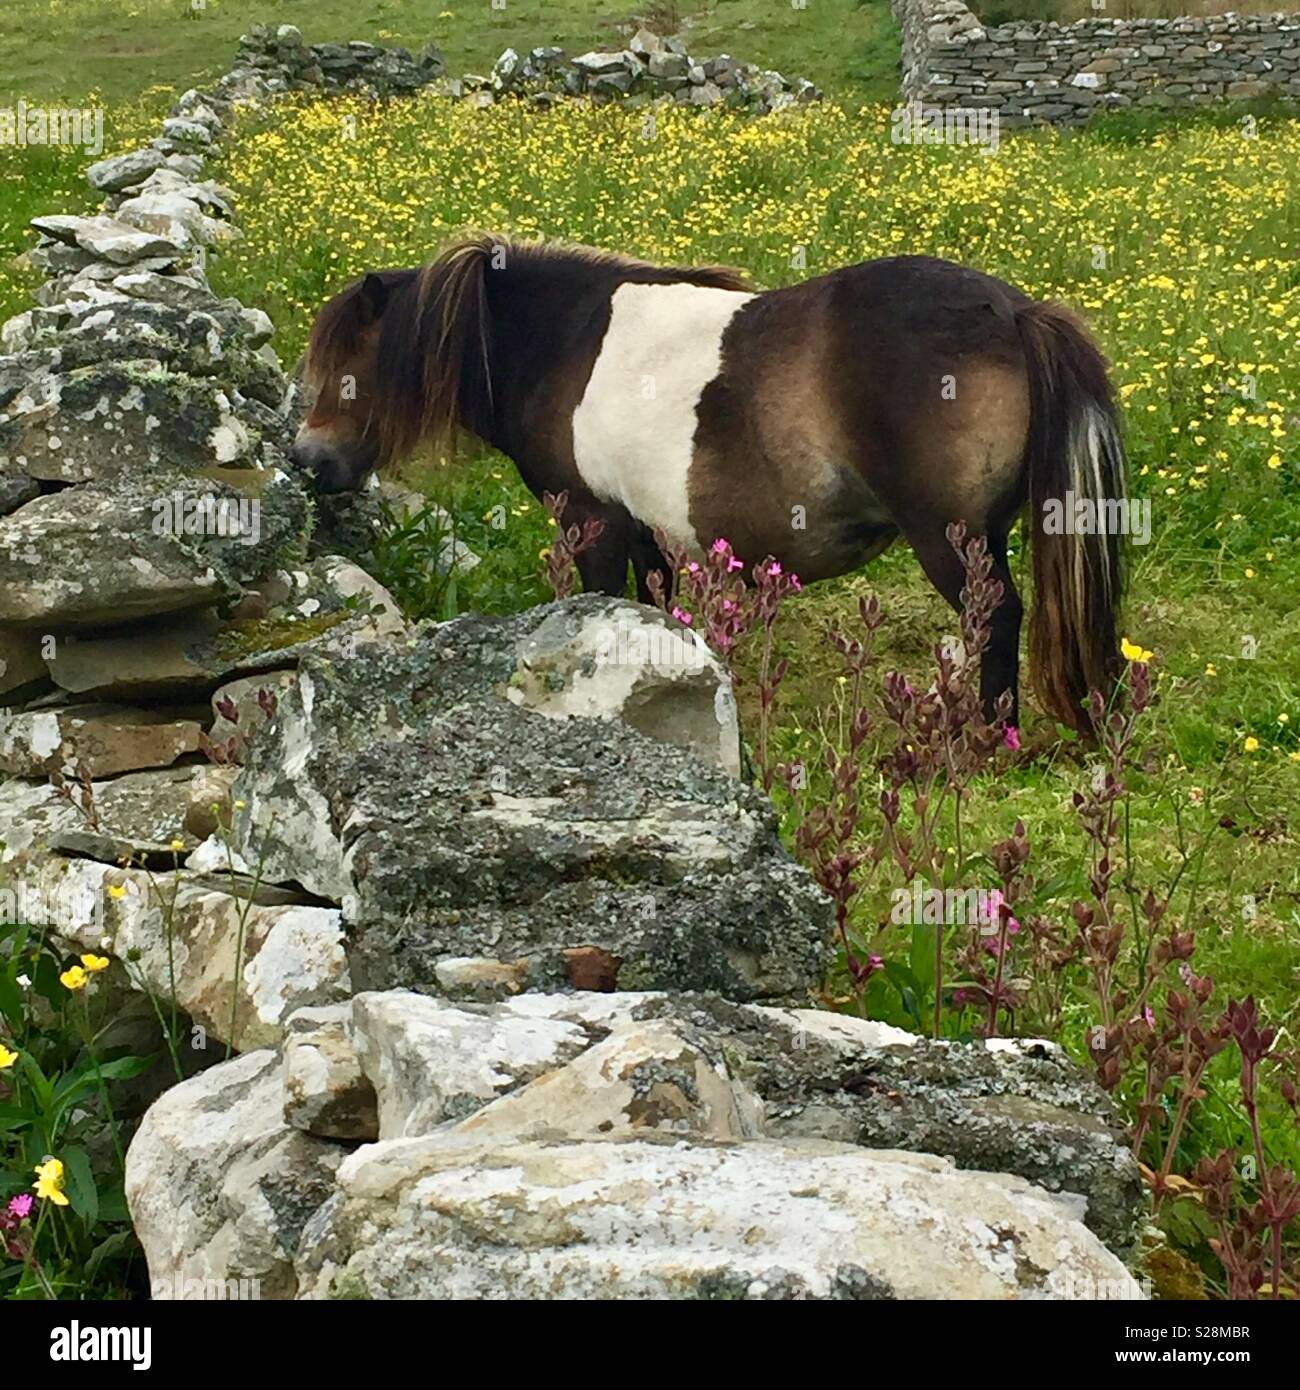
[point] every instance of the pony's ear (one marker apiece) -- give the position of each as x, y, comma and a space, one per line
371, 299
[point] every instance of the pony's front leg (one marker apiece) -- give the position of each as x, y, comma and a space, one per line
603, 564
648, 559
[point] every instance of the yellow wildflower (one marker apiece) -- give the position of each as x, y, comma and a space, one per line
7, 1058
94, 964
1251, 744
74, 978
1132, 651
49, 1182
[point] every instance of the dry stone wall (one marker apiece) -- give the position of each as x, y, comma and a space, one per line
274, 60
1033, 73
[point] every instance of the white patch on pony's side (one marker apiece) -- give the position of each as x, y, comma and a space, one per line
634, 429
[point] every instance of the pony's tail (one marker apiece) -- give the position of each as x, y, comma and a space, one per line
1077, 492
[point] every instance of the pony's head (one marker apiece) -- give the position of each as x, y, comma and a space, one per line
396, 358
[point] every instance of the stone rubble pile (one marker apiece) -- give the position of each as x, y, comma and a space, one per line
276, 60
1031, 72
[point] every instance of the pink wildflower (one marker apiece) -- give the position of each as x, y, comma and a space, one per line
1011, 738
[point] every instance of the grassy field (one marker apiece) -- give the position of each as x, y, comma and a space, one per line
117, 48
1179, 239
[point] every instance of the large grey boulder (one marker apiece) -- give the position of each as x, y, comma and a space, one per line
661, 1219
596, 855
592, 656
220, 1188
542, 791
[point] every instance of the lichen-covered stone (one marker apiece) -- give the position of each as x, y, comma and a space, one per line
110, 553
106, 239
562, 659
540, 837
139, 816
220, 1188
101, 421
645, 1219
124, 170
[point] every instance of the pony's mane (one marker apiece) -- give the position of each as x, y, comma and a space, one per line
433, 373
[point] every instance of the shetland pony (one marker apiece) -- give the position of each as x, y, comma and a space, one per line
814, 423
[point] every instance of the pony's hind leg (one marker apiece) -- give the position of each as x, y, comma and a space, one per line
1000, 664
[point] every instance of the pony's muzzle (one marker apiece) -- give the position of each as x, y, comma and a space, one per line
330, 472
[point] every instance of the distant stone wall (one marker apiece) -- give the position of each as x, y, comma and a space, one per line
276, 60
1060, 73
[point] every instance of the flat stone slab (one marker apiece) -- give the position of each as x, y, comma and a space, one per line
107, 554
654, 1220
106, 238
104, 740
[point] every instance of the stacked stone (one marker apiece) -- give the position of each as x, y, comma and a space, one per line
156, 545
1043, 72
649, 68
273, 61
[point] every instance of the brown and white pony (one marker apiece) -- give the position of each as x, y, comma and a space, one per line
814, 423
